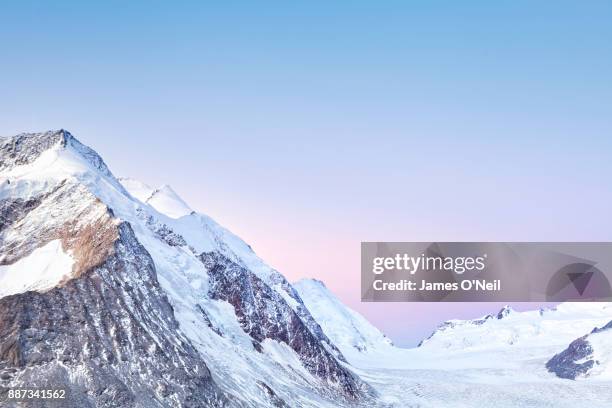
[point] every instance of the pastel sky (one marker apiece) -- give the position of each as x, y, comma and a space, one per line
309, 127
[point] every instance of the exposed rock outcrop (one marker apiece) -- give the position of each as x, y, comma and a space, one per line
264, 314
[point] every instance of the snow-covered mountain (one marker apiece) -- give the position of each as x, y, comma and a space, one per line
123, 295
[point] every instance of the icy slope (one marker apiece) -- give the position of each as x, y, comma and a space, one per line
347, 329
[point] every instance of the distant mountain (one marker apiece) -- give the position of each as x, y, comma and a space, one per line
507, 327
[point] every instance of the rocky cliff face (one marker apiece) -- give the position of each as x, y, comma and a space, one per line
136, 315
264, 314
108, 337
573, 361
585, 356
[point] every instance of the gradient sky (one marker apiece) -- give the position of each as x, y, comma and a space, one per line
308, 128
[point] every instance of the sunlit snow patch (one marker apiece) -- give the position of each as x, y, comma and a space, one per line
137, 189
43, 269
166, 201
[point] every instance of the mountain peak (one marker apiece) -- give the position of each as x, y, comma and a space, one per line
26, 148
44, 139
139, 190
168, 202
164, 199
32, 162
504, 311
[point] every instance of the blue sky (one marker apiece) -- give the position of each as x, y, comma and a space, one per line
307, 128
